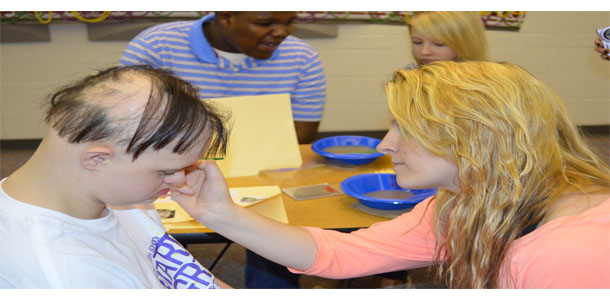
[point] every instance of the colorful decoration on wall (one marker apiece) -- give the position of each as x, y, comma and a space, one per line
507, 19
492, 19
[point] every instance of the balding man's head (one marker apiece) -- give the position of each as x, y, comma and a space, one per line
139, 107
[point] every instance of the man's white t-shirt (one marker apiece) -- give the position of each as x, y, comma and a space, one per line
126, 248
234, 58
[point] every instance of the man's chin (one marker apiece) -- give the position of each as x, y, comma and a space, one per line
148, 201
259, 55
147, 204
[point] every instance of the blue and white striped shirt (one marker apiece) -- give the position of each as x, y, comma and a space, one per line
181, 47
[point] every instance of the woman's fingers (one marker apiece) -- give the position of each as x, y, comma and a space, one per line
184, 189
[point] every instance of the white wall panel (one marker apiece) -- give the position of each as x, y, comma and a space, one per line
557, 47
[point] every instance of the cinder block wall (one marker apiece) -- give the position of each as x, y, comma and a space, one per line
557, 47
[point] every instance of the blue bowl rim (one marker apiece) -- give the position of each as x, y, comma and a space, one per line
347, 156
411, 200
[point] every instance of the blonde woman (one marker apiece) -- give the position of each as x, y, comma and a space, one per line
522, 201
447, 36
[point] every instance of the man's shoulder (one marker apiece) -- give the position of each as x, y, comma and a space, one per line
176, 27
19, 266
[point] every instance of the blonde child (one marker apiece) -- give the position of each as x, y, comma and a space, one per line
447, 36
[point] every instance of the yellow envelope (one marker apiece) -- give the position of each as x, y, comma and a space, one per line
263, 136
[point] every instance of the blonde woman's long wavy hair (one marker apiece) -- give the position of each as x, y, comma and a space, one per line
462, 31
516, 151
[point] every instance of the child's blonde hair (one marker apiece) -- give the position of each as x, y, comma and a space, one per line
515, 148
462, 31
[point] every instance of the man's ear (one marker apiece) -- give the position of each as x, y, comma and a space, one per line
224, 17
95, 157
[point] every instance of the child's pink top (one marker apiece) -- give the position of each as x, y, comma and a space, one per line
567, 252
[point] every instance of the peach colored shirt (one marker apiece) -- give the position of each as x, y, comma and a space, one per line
567, 252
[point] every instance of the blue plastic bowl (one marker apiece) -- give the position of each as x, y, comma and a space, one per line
358, 185
347, 140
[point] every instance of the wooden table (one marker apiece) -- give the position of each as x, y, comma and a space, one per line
333, 212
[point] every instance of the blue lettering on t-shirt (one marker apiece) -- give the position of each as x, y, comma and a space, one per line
177, 268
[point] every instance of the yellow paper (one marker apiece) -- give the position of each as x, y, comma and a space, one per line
174, 216
247, 196
272, 208
263, 136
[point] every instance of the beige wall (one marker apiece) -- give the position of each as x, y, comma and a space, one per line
555, 46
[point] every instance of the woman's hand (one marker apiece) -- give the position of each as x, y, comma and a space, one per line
205, 196
205, 193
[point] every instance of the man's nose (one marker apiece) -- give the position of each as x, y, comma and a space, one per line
177, 178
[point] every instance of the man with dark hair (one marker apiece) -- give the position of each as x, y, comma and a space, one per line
78, 213
229, 54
